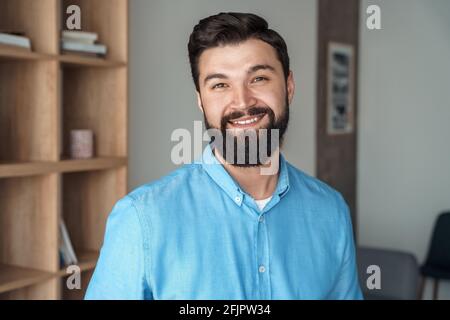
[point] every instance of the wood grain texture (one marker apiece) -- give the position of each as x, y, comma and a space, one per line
28, 220
28, 111
11, 53
108, 18
95, 99
38, 19
8, 52
44, 95
39, 168
73, 60
12, 277
336, 154
44, 290
84, 214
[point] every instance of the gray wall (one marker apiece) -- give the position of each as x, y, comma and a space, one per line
404, 131
162, 96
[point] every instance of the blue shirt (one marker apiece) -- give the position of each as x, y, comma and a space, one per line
194, 234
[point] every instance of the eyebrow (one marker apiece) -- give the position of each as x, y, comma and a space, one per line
261, 67
215, 76
251, 70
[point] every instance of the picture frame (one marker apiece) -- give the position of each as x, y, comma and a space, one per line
341, 86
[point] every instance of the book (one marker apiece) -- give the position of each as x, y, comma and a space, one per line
66, 249
15, 40
79, 36
85, 41
79, 53
82, 47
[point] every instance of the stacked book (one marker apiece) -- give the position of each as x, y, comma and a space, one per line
15, 39
82, 42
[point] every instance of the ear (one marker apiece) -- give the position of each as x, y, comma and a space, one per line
199, 102
290, 86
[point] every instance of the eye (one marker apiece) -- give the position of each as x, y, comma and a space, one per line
259, 79
219, 86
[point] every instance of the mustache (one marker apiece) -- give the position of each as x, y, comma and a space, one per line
253, 111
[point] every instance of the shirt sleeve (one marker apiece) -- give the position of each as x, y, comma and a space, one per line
347, 285
120, 270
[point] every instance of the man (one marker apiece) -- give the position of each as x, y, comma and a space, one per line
222, 227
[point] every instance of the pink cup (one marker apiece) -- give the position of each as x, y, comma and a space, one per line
81, 144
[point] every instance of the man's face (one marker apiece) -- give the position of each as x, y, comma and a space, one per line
242, 88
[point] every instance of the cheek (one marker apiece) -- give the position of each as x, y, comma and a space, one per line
274, 98
213, 113
214, 107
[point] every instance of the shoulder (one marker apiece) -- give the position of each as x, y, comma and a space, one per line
134, 210
311, 184
315, 193
166, 196
170, 185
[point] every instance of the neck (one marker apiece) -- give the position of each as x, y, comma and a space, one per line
259, 181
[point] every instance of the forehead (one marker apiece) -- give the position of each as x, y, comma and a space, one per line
238, 57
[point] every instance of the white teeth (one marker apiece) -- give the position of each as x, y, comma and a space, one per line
246, 121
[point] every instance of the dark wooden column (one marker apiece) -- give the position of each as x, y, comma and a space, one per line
338, 21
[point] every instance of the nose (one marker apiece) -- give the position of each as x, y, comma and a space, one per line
243, 98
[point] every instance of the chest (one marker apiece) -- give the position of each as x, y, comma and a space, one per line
206, 256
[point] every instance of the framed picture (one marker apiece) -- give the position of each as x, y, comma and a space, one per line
340, 104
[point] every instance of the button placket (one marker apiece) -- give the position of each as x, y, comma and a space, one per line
263, 260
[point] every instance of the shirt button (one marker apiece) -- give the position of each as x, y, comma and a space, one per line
261, 218
237, 199
262, 269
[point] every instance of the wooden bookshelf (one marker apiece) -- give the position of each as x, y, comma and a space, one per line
16, 53
9, 170
70, 60
86, 261
13, 53
12, 278
44, 94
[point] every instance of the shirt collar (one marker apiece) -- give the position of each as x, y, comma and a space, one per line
220, 176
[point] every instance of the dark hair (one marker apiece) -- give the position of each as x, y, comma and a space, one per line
232, 28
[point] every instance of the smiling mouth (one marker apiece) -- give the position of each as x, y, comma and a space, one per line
247, 121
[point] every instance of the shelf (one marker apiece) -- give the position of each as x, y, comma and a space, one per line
72, 60
94, 98
14, 53
86, 261
101, 163
9, 170
25, 169
69, 60
12, 277
85, 217
45, 93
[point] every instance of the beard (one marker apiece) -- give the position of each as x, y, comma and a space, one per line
251, 147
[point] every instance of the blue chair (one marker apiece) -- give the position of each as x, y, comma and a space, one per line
437, 263
399, 274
